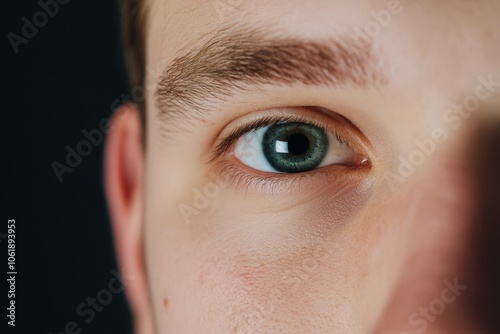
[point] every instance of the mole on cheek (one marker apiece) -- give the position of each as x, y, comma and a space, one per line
165, 303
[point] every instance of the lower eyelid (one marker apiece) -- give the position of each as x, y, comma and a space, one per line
271, 183
240, 178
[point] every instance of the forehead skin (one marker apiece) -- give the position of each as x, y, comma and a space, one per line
432, 53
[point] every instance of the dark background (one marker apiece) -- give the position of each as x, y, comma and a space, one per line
63, 81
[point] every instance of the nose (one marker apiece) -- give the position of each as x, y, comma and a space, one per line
450, 280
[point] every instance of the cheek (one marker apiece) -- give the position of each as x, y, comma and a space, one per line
243, 265
227, 290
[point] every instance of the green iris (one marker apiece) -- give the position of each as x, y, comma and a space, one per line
294, 147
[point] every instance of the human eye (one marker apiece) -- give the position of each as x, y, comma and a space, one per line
292, 147
287, 143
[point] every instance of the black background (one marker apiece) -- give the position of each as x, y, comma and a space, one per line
63, 81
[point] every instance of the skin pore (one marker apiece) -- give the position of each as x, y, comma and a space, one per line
364, 245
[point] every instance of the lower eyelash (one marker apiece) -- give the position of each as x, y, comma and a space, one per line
264, 184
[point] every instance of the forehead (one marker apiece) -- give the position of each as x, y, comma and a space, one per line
445, 44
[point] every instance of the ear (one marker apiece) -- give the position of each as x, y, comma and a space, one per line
124, 181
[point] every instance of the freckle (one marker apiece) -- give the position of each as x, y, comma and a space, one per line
165, 302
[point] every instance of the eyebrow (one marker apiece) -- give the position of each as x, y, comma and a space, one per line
236, 61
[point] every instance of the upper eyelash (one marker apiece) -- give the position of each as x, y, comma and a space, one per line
226, 142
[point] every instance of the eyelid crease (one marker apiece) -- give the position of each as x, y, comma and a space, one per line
226, 142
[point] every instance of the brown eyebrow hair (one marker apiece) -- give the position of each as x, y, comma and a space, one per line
234, 60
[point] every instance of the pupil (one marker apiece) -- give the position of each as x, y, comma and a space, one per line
298, 144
